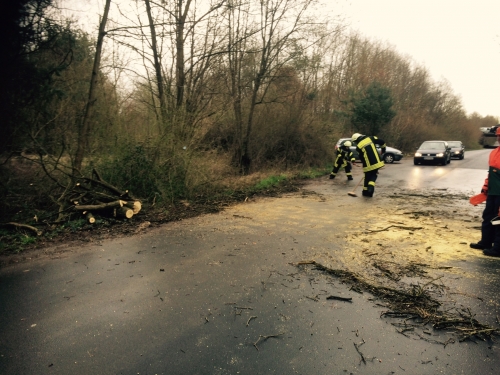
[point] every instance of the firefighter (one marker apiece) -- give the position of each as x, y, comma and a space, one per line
343, 160
366, 147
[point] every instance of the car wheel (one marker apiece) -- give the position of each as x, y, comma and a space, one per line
389, 158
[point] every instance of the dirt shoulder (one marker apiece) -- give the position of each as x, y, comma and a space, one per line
59, 238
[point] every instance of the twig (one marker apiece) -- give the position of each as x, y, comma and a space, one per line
430, 282
359, 352
264, 338
346, 299
315, 298
249, 319
394, 226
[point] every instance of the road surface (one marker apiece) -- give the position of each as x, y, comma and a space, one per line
224, 294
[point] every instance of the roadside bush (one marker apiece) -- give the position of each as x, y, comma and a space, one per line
132, 169
164, 177
140, 170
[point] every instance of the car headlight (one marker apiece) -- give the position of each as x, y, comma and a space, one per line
440, 155
418, 154
457, 152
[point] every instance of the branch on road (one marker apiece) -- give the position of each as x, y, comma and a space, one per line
264, 338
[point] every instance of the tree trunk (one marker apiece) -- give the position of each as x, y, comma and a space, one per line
157, 64
179, 44
84, 131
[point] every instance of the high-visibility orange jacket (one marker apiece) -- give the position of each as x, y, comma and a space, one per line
492, 183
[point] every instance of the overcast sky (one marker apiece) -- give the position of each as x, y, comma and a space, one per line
456, 40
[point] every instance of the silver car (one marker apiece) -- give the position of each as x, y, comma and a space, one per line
390, 156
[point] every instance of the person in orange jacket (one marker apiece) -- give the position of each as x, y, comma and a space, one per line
490, 233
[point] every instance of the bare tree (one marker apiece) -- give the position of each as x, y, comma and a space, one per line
279, 25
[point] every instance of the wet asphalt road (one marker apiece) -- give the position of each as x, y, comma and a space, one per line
219, 294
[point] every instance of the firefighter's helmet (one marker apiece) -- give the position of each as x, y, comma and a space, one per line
355, 136
347, 144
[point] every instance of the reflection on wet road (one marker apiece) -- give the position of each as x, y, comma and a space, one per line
460, 176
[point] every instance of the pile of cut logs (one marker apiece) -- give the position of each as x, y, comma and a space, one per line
94, 196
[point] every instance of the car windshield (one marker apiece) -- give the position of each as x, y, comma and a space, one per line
432, 146
455, 144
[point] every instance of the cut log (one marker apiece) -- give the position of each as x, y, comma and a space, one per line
125, 212
100, 206
90, 218
134, 205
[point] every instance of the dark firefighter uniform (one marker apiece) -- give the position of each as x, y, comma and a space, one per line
490, 234
343, 160
366, 147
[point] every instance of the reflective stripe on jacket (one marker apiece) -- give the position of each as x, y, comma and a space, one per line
343, 157
368, 154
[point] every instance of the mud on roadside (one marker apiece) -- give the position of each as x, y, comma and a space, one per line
410, 250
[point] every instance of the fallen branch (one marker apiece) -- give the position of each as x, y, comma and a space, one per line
107, 186
100, 206
415, 304
24, 226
